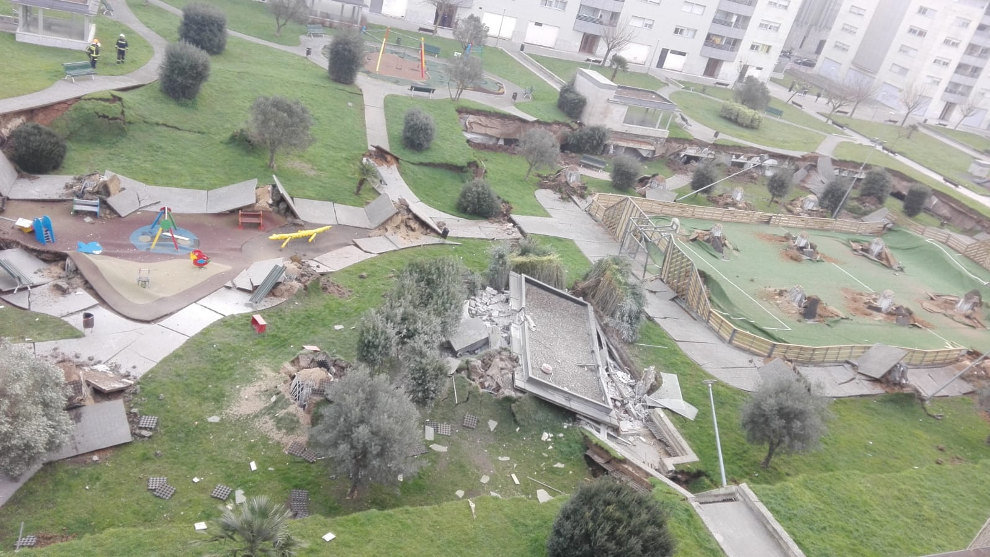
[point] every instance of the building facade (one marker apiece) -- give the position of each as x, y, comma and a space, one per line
926, 58
721, 39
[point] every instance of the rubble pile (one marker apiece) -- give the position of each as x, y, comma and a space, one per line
93, 186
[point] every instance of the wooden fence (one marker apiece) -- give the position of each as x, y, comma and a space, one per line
678, 272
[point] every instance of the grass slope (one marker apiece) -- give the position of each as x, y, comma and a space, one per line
566, 70
18, 325
251, 18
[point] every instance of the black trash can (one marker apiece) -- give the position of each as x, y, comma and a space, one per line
88, 320
515, 95
522, 47
308, 51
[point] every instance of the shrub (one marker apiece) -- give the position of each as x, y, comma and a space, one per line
498, 265
588, 139
35, 148
376, 339
608, 288
346, 57
705, 174
418, 130
752, 93
570, 102
915, 199
477, 198
833, 194
427, 371
780, 183
625, 171
876, 184
741, 115
204, 26
183, 71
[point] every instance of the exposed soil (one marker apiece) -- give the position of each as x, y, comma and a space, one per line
328, 286
859, 304
779, 298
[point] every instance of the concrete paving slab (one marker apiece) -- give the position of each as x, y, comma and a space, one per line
317, 267
96, 426
738, 530
19, 299
243, 281
134, 196
100, 347
472, 333
344, 257
105, 321
352, 216
258, 270
179, 200
190, 320
316, 212
403, 243
929, 380
229, 198
50, 301
670, 387
125, 202
660, 194
745, 380
285, 196
157, 342
839, 381
878, 360
379, 211
421, 212
376, 244
133, 363
39, 188
25, 262
228, 301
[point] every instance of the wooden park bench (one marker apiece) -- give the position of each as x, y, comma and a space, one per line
775, 112
593, 162
429, 30
250, 217
722, 84
797, 104
78, 69
315, 31
433, 51
422, 89
85, 205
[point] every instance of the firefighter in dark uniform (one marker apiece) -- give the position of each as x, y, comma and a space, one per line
121, 48
93, 51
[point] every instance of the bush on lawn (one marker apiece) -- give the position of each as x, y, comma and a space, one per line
346, 57
752, 93
587, 139
418, 130
477, 198
915, 199
184, 71
625, 171
741, 115
570, 102
36, 149
204, 26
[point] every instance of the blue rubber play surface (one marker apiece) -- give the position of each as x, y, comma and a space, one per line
144, 236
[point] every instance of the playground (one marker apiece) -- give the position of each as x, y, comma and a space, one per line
762, 282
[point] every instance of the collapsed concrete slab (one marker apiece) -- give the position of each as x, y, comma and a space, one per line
879, 360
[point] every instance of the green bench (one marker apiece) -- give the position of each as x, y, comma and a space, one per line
78, 69
315, 30
776, 112
433, 51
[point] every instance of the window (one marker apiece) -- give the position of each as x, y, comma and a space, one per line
692, 8
841, 46
905, 49
851, 29
685, 32
770, 26
927, 12
781, 4
555, 4
942, 62
856, 10
641, 22
760, 47
932, 80
961, 22
643, 117
950, 42
898, 69
917, 31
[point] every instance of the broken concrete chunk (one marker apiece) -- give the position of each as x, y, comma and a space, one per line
515, 480
200, 526
491, 425
503, 458
239, 496
558, 465
428, 432
438, 448
213, 419
459, 493
485, 479
542, 496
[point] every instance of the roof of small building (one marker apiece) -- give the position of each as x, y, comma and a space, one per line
87, 7
634, 96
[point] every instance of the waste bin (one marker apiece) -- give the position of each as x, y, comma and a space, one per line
88, 320
308, 51
522, 47
515, 95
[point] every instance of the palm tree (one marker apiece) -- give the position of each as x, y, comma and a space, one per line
259, 527
619, 64
366, 172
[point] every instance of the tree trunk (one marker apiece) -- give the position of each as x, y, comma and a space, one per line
271, 159
528, 170
615, 71
359, 186
905, 119
766, 461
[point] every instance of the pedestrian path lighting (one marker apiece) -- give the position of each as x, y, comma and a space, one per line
718, 441
876, 143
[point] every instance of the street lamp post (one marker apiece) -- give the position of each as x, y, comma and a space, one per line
718, 440
875, 142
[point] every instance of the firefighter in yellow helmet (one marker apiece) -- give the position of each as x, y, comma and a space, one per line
121, 48
93, 51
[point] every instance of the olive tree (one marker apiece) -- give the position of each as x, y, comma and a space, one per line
752, 93
369, 429
540, 149
786, 415
183, 71
463, 72
625, 171
418, 130
831, 198
876, 184
346, 57
470, 31
280, 124
915, 199
606, 517
780, 183
285, 11
704, 175
204, 26
33, 420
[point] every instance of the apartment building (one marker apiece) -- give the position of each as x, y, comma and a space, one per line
928, 54
722, 39
812, 24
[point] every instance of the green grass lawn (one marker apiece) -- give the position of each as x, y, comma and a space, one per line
251, 18
566, 70
19, 325
921, 148
975, 141
773, 133
189, 144
30, 68
449, 144
792, 114
544, 103
575, 263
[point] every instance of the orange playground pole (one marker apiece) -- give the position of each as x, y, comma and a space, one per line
382, 51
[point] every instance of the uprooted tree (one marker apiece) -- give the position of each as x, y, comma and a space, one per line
786, 415
607, 286
33, 420
527, 256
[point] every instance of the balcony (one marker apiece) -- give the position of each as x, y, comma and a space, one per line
726, 28
741, 7
962, 79
726, 52
980, 38
607, 5
975, 61
956, 98
590, 25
